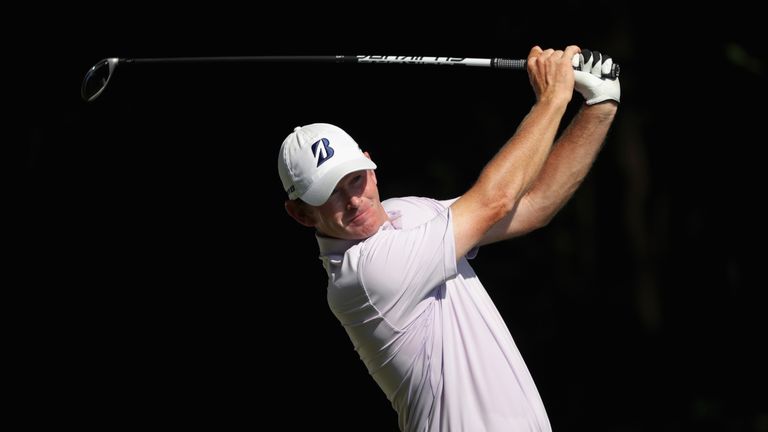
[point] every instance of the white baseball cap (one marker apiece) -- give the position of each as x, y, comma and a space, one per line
314, 158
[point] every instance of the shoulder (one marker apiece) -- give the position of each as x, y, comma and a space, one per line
412, 211
416, 203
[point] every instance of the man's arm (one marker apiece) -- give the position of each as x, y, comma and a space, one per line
563, 172
512, 172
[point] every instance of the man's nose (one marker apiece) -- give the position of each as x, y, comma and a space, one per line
353, 201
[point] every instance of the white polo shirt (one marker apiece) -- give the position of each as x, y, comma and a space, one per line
425, 327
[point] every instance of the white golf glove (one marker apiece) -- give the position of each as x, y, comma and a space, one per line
589, 70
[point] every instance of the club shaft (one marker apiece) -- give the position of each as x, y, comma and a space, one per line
239, 59
98, 76
452, 61
496, 63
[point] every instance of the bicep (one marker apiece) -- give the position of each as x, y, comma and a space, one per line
471, 221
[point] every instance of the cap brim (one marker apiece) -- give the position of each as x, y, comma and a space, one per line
321, 189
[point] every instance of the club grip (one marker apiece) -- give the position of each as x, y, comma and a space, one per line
503, 63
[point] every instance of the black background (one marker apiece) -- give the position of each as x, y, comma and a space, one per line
163, 283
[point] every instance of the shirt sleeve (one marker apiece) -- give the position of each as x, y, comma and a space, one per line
447, 203
399, 268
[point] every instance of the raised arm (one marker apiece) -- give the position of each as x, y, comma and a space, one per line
513, 170
573, 154
563, 172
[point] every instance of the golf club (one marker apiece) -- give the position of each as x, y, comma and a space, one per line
97, 77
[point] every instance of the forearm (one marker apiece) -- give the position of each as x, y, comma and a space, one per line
514, 169
560, 176
570, 160
507, 177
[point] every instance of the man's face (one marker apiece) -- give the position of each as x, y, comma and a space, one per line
353, 211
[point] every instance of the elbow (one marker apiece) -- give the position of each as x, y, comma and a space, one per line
494, 204
542, 221
539, 215
497, 210
504, 205
489, 204
535, 223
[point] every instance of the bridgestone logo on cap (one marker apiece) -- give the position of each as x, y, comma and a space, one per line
322, 152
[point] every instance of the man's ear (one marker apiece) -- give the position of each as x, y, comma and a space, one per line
300, 212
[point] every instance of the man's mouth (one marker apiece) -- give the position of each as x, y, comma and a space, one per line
358, 217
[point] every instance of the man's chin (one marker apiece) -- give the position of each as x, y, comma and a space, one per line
363, 232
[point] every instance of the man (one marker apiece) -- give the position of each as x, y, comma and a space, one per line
399, 280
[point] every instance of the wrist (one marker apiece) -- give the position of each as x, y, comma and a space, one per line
553, 102
606, 109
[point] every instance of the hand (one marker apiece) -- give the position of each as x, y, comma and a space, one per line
551, 74
588, 76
